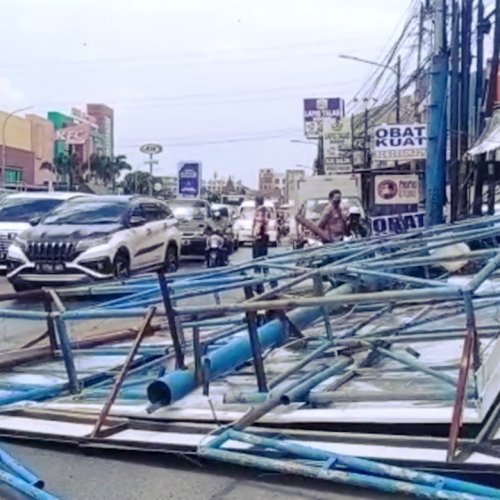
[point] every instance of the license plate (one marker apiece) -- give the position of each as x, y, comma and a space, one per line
50, 268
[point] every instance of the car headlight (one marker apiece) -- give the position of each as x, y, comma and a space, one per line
20, 242
87, 243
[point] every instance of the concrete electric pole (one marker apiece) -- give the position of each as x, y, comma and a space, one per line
437, 129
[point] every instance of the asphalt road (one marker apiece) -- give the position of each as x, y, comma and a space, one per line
73, 474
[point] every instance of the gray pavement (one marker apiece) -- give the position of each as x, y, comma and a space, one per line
73, 475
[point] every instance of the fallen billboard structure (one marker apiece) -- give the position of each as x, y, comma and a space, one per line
391, 341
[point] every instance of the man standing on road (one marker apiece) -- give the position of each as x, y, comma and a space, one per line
260, 229
332, 219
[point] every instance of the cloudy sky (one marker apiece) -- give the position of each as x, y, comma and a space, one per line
220, 81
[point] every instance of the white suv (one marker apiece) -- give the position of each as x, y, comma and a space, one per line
95, 238
16, 211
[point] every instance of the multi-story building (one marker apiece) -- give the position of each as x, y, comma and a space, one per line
272, 184
28, 150
105, 120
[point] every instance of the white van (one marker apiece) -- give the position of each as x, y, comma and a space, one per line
17, 210
242, 227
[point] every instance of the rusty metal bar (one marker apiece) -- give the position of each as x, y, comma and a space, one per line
123, 373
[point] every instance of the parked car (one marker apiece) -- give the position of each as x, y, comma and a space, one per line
195, 217
95, 238
16, 211
242, 226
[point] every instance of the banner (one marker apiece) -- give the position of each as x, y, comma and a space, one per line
400, 142
316, 110
399, 223
337, 145
77, 134
397, 189
189, 180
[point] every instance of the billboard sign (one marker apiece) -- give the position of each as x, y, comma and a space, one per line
400, 142
398, 223
74, 135
189, 179
315, 112
337, 145
397, 189
82, 117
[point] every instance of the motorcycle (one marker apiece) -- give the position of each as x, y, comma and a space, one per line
215, 254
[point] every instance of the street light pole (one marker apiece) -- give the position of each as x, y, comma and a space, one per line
4, 128
395, 69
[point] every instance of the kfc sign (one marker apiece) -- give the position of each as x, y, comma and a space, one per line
77, 134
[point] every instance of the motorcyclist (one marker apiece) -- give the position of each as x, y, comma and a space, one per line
355, 229
215, 240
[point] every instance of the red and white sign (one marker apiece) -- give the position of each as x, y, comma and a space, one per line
396, 189
77, 134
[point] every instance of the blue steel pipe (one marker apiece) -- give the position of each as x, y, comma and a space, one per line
367, 466
20, 470
23, 487
177, 384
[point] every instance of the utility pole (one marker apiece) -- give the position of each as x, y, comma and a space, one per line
454, 168
398, 90
437, 130
490, 104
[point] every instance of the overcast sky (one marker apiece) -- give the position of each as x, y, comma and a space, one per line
220, 81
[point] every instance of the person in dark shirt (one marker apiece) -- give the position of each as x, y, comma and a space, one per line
260, 229
355, 229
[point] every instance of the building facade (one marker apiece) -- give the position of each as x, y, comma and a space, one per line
28, 150
105, 119
272, 184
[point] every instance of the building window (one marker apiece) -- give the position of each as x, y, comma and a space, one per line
13, 176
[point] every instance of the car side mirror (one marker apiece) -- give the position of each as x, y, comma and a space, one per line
136, 221
34, 221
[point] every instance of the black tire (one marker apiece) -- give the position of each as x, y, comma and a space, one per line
121, 266
171, 259
19, 287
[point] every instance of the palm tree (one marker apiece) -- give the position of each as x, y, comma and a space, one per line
137, 182
66, 166
116, 166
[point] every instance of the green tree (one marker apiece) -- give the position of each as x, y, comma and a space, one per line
67, 168
137, 182
107, 169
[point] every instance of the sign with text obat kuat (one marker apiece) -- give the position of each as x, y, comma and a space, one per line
337, 145
400, 142
189, 179
316, 110
396, 189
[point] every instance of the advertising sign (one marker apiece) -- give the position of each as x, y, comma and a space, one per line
151, 149
189, 179
337, 145
398, 223
316, 110
396, 189
77, 134
400, 142
82, 117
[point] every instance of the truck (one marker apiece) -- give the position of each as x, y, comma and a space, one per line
318, 187
311, 197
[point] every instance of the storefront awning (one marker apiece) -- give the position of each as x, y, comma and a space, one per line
490, 138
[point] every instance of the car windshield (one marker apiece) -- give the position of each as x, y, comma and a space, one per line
88, 212
25, 209
185, 211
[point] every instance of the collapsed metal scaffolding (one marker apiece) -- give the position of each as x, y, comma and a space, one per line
297, 328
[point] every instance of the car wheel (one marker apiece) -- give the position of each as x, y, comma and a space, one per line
171, 259
18, 287
121, 266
